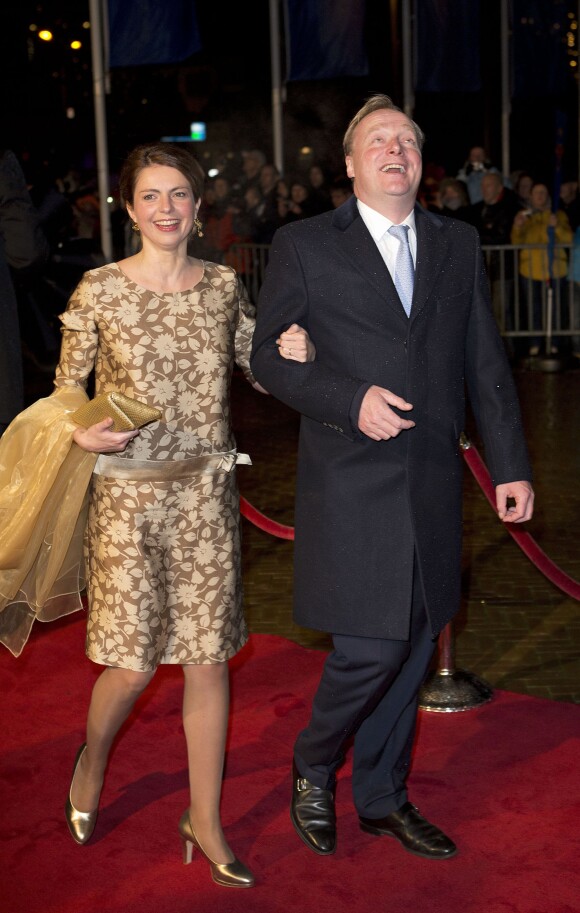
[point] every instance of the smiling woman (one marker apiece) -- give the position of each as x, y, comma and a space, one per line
142, 325
162, 534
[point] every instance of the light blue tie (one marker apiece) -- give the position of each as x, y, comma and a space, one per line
404, 270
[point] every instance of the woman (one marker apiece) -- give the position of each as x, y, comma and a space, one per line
163, 549
538, 265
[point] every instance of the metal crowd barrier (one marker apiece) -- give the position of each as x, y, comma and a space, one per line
541, 312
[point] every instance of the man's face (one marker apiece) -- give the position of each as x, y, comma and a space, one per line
451, 199
251, 165
490, 189
568, 191
268, 177
385, 160
477, 155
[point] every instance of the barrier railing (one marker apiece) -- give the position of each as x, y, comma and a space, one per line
541, 312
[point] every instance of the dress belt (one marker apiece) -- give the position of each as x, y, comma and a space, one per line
115, 467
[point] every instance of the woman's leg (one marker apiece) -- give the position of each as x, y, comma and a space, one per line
112, 700
205, 720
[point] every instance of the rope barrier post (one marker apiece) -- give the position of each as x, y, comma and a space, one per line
449, 690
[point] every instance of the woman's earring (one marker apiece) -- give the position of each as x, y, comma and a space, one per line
198, 226
135, 227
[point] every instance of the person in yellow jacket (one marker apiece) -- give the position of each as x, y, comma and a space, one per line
538, 266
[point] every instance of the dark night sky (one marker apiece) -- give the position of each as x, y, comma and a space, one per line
227, 84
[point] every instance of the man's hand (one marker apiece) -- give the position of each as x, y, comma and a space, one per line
522, 493
376, 418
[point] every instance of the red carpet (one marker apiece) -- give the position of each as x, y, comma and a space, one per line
502, 780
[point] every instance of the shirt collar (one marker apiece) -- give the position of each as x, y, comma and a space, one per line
378, 224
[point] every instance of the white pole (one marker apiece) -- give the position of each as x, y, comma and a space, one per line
101, 125
278, 149
505, 89
408, 60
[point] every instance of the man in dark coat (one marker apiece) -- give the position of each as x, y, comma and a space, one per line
493, 217
23, 249
379, 481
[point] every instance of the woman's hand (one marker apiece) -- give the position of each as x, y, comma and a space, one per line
521, 218
295, 344
100, 439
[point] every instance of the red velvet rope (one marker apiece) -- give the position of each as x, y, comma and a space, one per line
527, 544
248, 511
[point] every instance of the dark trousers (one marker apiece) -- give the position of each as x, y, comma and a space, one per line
369, 690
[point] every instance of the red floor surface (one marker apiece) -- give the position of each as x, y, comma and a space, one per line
502, 780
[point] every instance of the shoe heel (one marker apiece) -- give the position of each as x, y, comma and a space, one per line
187, 850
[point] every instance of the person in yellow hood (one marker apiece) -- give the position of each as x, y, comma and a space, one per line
536, 265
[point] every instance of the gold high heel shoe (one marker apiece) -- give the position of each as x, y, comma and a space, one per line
80, 824
229, 874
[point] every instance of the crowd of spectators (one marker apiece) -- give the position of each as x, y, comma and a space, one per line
248, 200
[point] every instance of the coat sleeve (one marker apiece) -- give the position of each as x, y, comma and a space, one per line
313, 389
25, 244
492, 390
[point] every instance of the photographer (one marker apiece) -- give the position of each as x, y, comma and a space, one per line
471, 173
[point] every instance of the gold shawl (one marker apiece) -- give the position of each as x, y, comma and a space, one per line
44, 479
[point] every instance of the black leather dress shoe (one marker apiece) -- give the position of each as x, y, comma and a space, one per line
313, 816
413, 831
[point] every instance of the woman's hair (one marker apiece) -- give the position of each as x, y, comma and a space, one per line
376, 103
160, 154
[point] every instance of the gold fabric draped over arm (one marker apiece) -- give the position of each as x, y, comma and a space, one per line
44, 479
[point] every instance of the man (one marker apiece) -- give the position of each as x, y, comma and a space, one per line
23, 253
453, 199
472, 172
379, 481
493, 218
569, 201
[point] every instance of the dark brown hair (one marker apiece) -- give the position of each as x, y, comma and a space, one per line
160, 154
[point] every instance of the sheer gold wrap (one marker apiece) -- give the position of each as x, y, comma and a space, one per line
44, 479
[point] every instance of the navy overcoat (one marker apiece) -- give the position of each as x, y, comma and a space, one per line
364, 509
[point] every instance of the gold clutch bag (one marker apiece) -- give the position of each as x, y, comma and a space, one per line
128, 413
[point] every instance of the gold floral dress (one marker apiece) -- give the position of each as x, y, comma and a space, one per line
163, 542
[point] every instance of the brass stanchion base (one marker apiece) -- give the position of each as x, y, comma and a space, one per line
547, 364
452, 691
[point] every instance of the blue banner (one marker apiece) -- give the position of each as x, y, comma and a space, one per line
325, 39
151, 32
448, 41
540, 47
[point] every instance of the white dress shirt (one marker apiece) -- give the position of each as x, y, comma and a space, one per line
378, 225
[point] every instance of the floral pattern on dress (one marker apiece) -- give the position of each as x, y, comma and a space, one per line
164, 575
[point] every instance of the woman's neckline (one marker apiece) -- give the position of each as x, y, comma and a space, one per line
152, 291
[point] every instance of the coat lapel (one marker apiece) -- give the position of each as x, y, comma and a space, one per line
432, 247
358, 246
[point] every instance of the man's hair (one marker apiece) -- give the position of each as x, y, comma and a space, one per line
372, 104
